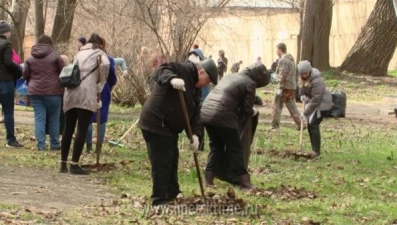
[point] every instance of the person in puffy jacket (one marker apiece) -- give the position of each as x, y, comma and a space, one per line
318, 101
161, 121
81, 102
228, 107
41, 72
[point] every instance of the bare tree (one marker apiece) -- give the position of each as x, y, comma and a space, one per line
38, 19
376, 44
316, 30
63, 21
18, 16
3, 14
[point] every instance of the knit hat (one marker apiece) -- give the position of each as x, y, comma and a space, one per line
4, 27
82, 40
211, 69
304, 67
197, 52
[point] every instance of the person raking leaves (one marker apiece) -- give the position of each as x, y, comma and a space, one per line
161, 121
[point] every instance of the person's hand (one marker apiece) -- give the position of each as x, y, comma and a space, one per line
304, 98
195, 144
279, 92
99, 105
178, 84
255, 112
125, 73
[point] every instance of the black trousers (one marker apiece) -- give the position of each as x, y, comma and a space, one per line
314, 131
164, 156
226, 151
82, 118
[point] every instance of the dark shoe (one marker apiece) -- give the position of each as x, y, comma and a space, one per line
64, 167
89, 148
245, 182
77, 170
209, 178
317, 154
14, 144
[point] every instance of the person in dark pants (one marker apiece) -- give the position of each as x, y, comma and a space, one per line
9, 72
81, 102
318, 101
161, 121
225, 111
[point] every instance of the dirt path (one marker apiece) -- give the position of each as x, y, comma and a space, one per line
48, 190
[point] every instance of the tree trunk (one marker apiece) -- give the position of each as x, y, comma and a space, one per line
3, 14
376, 44
316, 31
19, 12
299, 38
38, 19
63, 21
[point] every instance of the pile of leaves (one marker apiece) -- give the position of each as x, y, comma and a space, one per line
284, 192
292, 154
27, 216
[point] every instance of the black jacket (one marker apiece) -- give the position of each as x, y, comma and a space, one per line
9, 71
232, 100
162, 112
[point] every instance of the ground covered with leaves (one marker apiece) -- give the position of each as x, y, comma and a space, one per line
353, 183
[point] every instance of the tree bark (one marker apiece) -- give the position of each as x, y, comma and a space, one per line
63, 21
376, 44
39, 19
3, 14
299, 38
19, 11
316, 31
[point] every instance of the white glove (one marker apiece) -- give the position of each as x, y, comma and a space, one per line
195, 145
178, 84
125, 73
99, 105
304, 98
255, 112
279, 92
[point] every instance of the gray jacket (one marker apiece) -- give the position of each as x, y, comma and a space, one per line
315, 90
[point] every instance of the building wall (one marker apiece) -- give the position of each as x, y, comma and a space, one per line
245, 35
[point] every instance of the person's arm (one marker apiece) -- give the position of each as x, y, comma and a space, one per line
104, 68
26, 72
60, 63
317, 91
13, 67
112, 79
249, 101
283, 70
164, 74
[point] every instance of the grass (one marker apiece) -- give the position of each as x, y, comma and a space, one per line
355, 181
392, 73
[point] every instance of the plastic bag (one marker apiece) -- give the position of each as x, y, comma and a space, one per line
338, 109
21, 97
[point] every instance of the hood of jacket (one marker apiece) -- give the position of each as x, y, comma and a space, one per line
289, 56
41, 50
258, 73
315, 74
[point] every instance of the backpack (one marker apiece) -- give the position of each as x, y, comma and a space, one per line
70, 74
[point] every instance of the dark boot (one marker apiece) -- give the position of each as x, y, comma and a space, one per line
316, 141
245, 182
64, 167
77, 170
89, 148
209, 178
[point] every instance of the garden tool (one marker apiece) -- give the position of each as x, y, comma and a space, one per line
301, 131
118, 142
98, 147
190, 136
